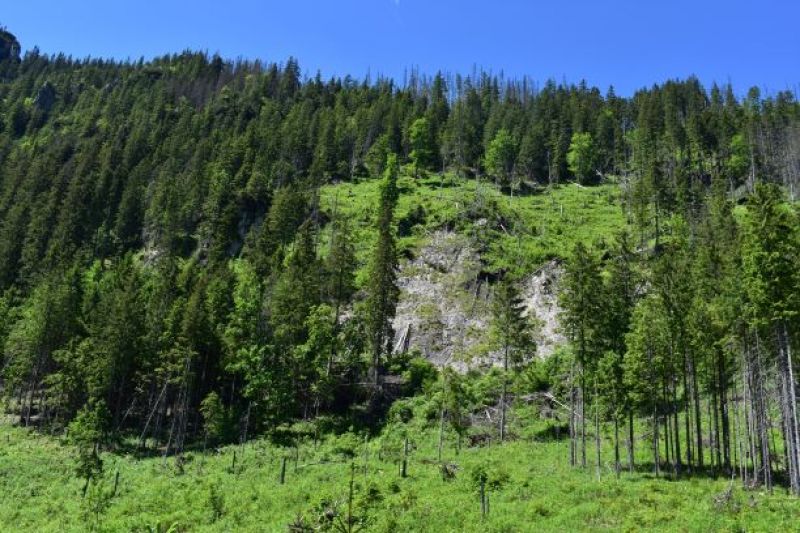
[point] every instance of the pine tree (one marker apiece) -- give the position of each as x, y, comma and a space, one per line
511, 331
621, 288
340, 264
582, 317
770, 257
382, 290
423, 145
646, 364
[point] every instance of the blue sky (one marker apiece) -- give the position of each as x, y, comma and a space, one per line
627, 43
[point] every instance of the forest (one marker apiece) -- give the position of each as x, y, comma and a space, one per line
178, 272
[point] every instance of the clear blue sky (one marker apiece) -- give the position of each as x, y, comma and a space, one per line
627, 43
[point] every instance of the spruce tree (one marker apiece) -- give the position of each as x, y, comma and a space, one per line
382, 290
770, 258
511, 332
582, 308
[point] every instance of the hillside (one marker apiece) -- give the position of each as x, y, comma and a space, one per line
234, 297
456, 234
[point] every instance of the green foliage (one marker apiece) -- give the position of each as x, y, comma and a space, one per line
215, 417
423, 145
581, 157
511, 330
382, 291
582, 301
375, 160
524, 479
216, 502
501, 156
771, 253
419, 375
648, 344
88, 431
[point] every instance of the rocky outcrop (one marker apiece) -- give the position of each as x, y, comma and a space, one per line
9, 46
444, 309
45, 97
539, 292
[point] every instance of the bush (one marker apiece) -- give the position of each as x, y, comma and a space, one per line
494, 477
420, 374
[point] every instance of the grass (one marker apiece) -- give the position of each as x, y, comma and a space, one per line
530, 487
516, 233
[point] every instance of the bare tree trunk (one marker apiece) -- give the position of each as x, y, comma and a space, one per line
688, 368
656, 458
677, 438
749, 424
597, 428
737, 449
762, 435
668, 461
697, 414
583, 418
572, 432
722, 378
789, 406
712, 435
617, 465
503, 396
441, 434
631, 442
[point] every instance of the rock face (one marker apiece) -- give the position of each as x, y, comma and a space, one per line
9, 46
444, 309
540, 294
45, 97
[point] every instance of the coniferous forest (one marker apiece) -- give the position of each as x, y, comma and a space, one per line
200, 255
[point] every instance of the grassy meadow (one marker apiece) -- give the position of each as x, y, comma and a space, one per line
528, 483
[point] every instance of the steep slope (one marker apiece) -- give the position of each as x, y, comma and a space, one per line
458, 236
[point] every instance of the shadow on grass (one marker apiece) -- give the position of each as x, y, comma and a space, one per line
669, 472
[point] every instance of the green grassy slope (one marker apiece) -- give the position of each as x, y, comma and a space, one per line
530, 488
518, 233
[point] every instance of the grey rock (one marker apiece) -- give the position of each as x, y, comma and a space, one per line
45, 97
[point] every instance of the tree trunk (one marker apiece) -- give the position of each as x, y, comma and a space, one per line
676, 424
572, 432
503, 395
789, 406
616, 445
631, 442
722, 379
583, 418
656, 458
597, 429
697, 414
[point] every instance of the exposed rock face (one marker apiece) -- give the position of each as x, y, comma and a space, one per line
9, 46
46, 97
444, 309
540, 294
